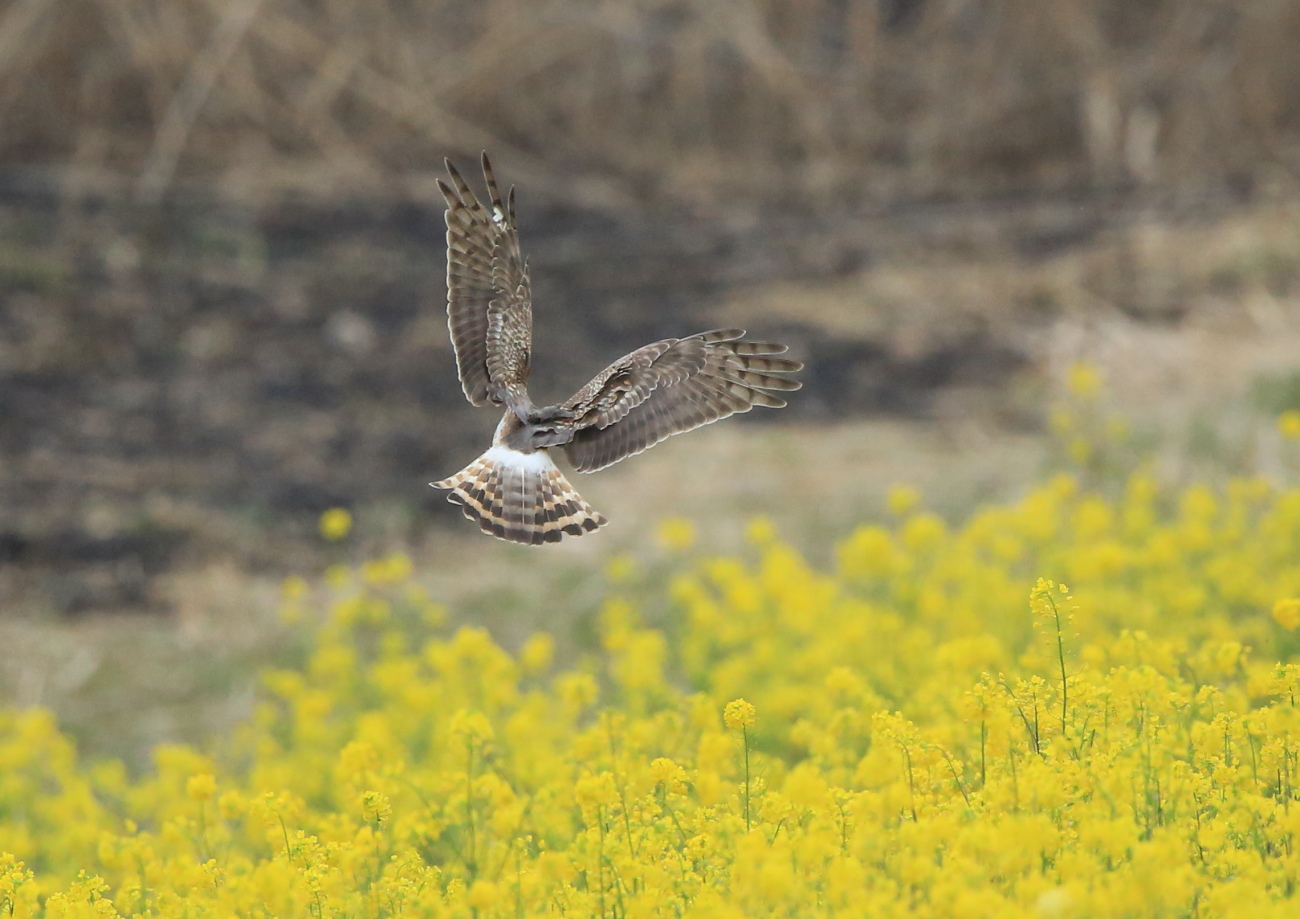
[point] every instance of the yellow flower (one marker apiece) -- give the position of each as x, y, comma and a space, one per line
902, 499
16, 887
676, 534
841, 681
739, 714
1286, 613
668, 774
483, 895
760, 532
1050, 601
1083, 380
335, 523
357, 760
376, 807
924, 750
392, 570
593, 791
1288, 423
806, 787
294, 589
201, 787
1055, 903
620, 569
577, 690
1061, 421
337, 576
470, 727
231, 804
923, 532
537, 653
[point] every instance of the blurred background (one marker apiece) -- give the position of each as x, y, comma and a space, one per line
222, 299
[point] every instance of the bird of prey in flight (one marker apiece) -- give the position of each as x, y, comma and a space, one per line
514, 490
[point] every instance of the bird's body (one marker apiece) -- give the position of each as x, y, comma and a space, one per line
514, 490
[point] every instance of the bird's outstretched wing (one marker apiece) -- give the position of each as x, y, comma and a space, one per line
489, 306
669, 387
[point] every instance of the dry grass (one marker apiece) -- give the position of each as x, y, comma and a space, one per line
1234, 273
784, 102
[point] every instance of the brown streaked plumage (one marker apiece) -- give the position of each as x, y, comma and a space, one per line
514, 490
489, 305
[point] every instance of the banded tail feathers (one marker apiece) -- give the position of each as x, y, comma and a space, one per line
520, 497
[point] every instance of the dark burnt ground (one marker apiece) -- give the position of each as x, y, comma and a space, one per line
198, 381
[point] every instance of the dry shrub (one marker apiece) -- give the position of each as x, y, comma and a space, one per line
778, 101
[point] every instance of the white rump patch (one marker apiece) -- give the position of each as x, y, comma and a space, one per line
536, 463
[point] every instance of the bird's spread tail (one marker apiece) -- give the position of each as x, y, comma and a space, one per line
522, 497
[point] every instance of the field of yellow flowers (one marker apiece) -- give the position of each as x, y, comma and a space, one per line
936, 726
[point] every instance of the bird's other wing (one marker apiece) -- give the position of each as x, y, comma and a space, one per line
673, 386
489, 305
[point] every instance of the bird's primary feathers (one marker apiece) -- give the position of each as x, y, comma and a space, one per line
514, 490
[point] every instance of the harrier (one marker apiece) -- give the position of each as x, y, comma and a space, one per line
514, 490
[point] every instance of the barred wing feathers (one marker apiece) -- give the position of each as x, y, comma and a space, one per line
489, 304
670, 387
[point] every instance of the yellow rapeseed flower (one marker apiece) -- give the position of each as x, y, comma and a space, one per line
386, 571
358, 760
376, 807
17, 892
902, 499
676, 534
337, 576
620, 569
577, 690
593, 791
483, 895
537, 653
668, 774
470, 727
294, 589
925, 752
1288, 423
1083, 380
201, 787
760, 531
739, 714
1286, 612
841, 681
335, 523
